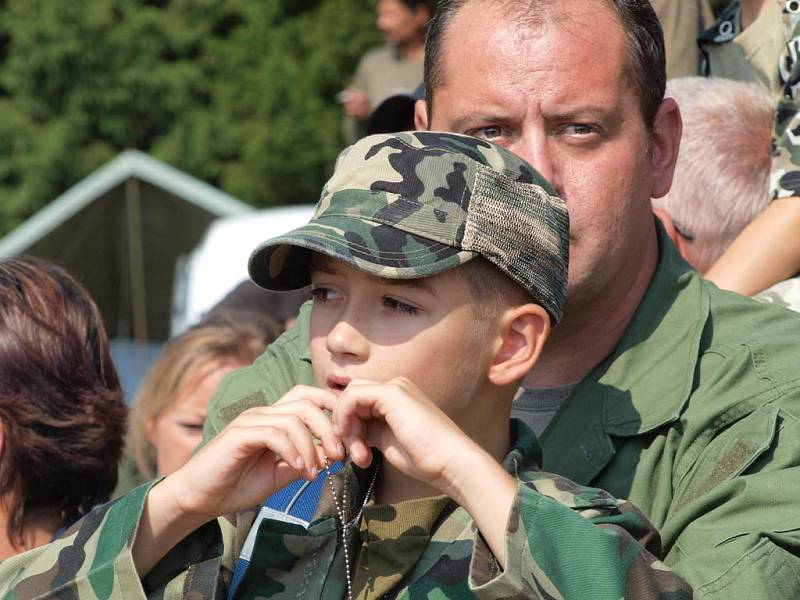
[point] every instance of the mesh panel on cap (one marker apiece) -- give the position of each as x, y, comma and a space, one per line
524, 231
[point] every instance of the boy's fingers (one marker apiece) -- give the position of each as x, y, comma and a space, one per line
358, 403
324, 401
360, 453
277, 441
299, 435
306, 392
284, 474
321, 427
306, 408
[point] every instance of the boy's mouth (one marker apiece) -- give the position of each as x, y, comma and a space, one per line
337, 383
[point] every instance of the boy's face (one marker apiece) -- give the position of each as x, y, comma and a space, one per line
368, 327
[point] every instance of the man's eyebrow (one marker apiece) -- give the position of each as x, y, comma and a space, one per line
461, 122
582, 112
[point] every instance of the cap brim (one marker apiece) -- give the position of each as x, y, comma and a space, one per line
283, 263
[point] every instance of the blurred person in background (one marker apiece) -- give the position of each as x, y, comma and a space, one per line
722, 171
395, 68
683, 21
169, 410
757, 41
273, 311
62, 417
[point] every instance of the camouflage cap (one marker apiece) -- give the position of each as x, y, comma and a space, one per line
414, 204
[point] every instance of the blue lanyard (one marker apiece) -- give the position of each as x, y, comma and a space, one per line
298, 501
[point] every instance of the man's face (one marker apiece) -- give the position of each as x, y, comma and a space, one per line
398, 23
368, 327
556, 94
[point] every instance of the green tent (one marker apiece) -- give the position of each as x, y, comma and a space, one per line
121, 231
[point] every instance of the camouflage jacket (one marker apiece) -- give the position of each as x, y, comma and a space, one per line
563, 541
694, 418
785, 171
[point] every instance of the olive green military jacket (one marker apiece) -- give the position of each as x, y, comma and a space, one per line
563, 542
695, 418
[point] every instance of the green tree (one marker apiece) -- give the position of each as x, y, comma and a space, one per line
238, 93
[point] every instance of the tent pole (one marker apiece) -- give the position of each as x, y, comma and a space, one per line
136, 254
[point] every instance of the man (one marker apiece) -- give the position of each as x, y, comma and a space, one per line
681, 397
395, 68
721, 174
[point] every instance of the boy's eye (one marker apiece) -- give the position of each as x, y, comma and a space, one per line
400, 307
323, 294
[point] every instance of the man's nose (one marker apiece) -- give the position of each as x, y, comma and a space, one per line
534, 148
346, 340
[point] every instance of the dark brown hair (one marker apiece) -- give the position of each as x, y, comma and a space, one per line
646, 56
61, 405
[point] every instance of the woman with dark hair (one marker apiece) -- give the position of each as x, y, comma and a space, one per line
62, 418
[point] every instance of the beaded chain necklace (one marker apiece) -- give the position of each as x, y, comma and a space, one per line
341, 511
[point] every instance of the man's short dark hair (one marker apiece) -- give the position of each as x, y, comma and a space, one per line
646, 57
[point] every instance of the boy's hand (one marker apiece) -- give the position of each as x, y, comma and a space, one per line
261, 451
412, 432
417, 438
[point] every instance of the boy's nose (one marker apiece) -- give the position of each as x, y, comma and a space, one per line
345, 340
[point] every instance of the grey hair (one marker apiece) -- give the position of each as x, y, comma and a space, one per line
721, 180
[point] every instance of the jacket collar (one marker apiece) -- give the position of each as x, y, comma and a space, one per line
645, 382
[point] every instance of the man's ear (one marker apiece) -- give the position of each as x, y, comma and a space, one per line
421, 115
522, 334
667, 129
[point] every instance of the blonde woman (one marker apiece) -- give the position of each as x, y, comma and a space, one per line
168, 412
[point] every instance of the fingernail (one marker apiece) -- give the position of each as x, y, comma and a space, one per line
299, 463
314, 472
341, 449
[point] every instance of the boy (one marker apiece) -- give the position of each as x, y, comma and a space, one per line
438, 262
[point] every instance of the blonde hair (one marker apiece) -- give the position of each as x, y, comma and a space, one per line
223, 341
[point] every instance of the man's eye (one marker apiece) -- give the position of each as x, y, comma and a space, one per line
323, 294
487, 133
395, 305
579, 129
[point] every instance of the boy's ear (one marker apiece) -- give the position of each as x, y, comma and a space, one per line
521, 337
421, 115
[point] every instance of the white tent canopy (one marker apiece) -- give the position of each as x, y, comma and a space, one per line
219, 263
121, 231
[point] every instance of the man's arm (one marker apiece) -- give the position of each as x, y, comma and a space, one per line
269, 378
